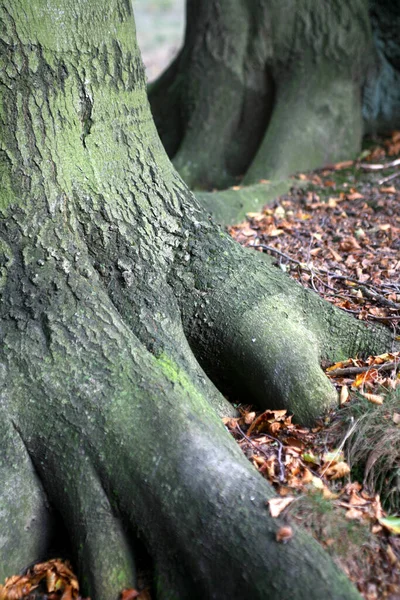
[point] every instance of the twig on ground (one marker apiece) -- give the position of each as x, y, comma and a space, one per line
272, 249
389, 178
380, 167
341, 446
381, 299
356, 370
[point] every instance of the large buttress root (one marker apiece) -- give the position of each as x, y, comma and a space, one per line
255, 330
25, 517
126, 438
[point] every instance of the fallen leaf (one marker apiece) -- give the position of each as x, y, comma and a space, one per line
362, 378
354, 196
391, 555
264, 421
373, 398
337, 471
277, 505
335, 255
317, 483
249, 417
344, 395
354, 513
333, 456
391, 523
311, 458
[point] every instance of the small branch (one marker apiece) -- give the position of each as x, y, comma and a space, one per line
356, 370
380, 167
377, 297
388, 318
272, 249
281, 467
389, 178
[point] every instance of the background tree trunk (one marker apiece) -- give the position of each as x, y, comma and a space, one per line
117, 295
381, 94
265, 89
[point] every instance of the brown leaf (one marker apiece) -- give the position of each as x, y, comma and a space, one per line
349, 244
68, 593
362, 378
337, 471
277, 505
335, 254
354, 513
354, 195
391, 555
295, 443
264, 421
373, 398
249, 417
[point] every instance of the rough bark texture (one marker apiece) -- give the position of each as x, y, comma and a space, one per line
118, 295
264, 89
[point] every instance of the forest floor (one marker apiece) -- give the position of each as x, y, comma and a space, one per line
339, 235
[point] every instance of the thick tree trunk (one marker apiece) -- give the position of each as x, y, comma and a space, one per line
117, 296
265, 89
381, 94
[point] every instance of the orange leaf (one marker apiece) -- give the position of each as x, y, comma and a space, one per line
363, 377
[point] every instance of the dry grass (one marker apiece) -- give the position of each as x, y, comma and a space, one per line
373, 446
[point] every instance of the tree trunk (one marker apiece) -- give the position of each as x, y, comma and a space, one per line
118, 295
381, 94
265, 89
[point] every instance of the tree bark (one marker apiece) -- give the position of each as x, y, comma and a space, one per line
122, 307
381, 94
262, 90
